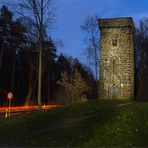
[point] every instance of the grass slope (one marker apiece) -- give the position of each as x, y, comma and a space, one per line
89, 124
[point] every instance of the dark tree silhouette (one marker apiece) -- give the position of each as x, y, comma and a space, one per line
90, 28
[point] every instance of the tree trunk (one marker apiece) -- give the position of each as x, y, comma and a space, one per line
30, 88
13, 69
48, 83
40, 30
40, 75
96, 71
1, 54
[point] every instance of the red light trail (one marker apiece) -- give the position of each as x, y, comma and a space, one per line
28, 108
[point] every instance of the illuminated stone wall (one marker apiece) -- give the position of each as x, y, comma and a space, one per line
116, 58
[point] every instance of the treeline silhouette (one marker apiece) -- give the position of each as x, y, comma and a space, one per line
141, 60
19, 65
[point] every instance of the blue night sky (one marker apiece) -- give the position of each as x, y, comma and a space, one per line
72, 13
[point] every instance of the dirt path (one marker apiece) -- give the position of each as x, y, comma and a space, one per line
65, 124
124, 104
73, 122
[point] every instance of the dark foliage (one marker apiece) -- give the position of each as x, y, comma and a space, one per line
141, 60
19, 64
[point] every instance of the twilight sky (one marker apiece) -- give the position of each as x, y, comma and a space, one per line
72, 13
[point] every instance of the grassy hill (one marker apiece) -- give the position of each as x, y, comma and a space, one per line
93, 123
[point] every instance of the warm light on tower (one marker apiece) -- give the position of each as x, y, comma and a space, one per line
116, 58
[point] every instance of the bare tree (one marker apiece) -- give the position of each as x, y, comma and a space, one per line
74, 86
90, 28
40, 14
66, 83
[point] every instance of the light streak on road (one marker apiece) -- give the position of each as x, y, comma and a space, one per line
28, 108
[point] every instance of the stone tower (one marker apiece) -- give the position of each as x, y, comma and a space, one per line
116, 58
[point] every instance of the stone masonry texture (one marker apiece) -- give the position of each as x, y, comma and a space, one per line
116, 58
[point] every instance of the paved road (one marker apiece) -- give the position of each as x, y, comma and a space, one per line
25, 109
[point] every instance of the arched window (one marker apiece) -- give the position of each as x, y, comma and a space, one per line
114, 41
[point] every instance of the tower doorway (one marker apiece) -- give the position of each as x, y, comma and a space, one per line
113, 92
